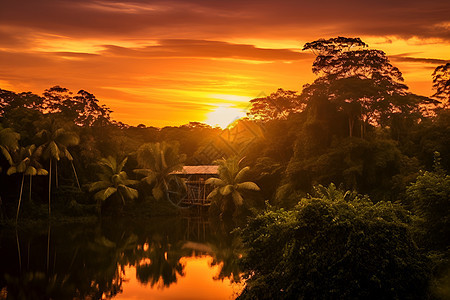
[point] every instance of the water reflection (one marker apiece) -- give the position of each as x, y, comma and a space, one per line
95, 261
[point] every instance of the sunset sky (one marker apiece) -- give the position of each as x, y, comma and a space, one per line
170, 62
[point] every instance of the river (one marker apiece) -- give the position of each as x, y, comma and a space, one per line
158, 258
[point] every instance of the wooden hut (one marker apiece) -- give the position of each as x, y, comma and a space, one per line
195, 177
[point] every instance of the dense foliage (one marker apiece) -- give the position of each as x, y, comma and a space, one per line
430, 198
356, 125
332, 248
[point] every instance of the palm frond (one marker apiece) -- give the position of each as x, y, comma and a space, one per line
237, 198
241, 174
213, 193
226, 190
99, 185
6, 154
9, 139
11, 170
105, 194
67, 154
122, 164
130, 182
215, 182
31, 171
42, 172
128, 192
248, 185
158, 193
109, 162
53, 150
68, 139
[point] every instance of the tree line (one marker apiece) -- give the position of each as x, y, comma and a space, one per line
352, 161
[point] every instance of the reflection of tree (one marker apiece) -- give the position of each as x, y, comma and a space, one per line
227, 255
109, 260
226, 251
88, 262
163, 264
37, 285
82, 263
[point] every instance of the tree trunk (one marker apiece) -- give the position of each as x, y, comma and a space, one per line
29, 196
76, 176
56, 174
18, 249
20, 198
121, 197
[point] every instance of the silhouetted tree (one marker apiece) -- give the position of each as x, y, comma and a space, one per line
228, 188
82, 108
277, 105
113, 180
157, 162
430, 196
55, 142
361, 82
26, 161
9, 142
10, 101
441, 83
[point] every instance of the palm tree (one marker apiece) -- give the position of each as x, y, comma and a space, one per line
334, 193
158, 161
9, 142
163, 265
26, 162
230, 184
113, 180
56, 140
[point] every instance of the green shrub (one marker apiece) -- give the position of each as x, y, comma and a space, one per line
333, 249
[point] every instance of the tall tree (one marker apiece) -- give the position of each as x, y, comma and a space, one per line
82, 108
430, 196
113, 181
361, 82
441, 83
55, 142
26, 161
10, 101
157, 162
9, 142
229, 186
277, 105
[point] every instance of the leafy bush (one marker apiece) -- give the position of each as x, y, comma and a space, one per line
430, 196
331, 248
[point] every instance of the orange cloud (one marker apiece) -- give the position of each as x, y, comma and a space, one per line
159, 62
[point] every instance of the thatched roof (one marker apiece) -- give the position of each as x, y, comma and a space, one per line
206, 169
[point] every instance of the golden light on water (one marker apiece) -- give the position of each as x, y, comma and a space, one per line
197, 283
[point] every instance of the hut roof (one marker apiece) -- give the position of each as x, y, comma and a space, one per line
205, 169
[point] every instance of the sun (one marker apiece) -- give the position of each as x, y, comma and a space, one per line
224, 115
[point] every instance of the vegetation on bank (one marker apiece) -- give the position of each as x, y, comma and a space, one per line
333, 247
356, 126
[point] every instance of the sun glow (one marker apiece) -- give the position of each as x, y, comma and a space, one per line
224, 115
